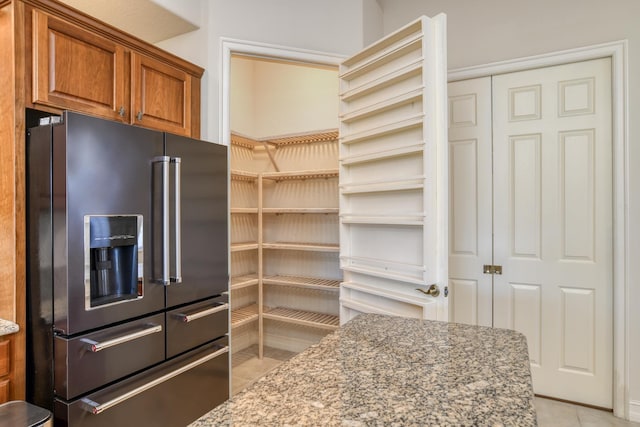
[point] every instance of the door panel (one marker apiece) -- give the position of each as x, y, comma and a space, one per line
553, 222
526, 315
470, 201
161, 95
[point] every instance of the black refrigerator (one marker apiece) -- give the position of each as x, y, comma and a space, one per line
127, 281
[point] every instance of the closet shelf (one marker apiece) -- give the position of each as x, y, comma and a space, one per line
385, 44
243, 141
402, 294
300, 210
373, 156
244, 246
243, 175
401, 272
411, 70
416, 183
310, 138
303, 318
243, 315
309, 221
239, 282
297, 246
306, 174
380, 107
409, 220
303, 282
383, 57
243, 210
405, 294
415, 121
366, 308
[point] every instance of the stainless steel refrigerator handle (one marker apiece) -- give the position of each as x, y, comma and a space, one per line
178, 225
96, 346
209, 311
97, 408
164, 160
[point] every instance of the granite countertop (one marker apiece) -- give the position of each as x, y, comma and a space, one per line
7, 327
392, 371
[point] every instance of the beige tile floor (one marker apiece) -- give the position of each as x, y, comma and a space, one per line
247, 368
552, 413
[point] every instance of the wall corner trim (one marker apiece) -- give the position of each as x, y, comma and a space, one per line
634, 410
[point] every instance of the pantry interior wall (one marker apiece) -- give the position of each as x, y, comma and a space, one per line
271, 99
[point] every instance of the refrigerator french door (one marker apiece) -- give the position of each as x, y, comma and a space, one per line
127, 272
203, 218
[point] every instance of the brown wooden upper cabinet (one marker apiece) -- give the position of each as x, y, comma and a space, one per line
161, 95
80, 70
75, 69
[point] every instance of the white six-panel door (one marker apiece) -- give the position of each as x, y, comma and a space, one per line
470, 198
553, 177
552, 223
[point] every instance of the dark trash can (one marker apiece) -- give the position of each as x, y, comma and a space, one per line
18, 413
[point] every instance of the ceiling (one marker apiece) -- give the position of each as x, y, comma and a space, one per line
144, 19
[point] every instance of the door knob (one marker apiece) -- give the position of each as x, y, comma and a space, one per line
139, 115
432, 291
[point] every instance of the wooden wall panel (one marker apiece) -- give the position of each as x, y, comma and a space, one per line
7, 166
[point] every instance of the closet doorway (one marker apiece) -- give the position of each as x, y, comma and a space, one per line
284, 265
531, 219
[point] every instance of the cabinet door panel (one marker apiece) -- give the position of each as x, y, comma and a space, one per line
161, 96
5, 369
77, 70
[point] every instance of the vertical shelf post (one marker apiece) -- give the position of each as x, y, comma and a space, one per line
260, 270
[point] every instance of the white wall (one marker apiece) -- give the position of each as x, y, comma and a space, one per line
186, 9
372, 22
283, 98
295, 98
481, 32
241, 101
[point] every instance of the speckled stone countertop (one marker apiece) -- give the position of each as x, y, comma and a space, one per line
7, 327
391, 371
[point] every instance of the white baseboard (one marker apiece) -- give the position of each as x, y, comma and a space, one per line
634, 410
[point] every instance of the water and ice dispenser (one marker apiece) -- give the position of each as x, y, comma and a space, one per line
113, 259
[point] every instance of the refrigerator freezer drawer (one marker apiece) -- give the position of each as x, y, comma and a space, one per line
172, 394
196, 324
89, 361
